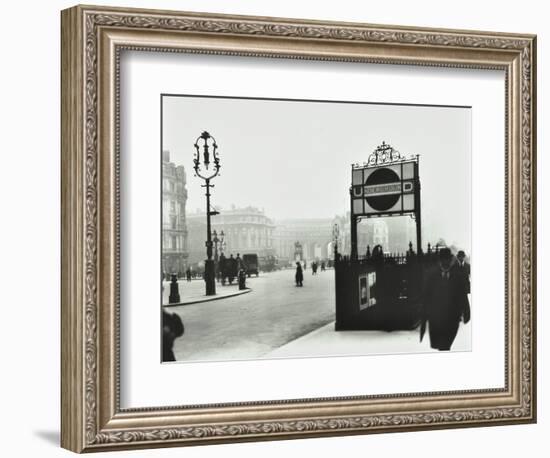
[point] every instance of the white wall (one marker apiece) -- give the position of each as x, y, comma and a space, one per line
29, 250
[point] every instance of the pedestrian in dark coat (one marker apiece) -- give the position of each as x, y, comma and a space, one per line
239, 262
172, 328
299, 275
231, 268
464, 268
445, 302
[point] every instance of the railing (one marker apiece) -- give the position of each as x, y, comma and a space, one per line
377, 256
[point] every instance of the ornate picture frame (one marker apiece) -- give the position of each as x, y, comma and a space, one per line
92, 41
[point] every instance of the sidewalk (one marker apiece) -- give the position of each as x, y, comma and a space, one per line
193, 292
323, 342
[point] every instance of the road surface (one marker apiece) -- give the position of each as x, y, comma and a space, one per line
252, 325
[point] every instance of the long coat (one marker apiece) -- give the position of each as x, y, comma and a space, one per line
465, 270
445, 302
299, 275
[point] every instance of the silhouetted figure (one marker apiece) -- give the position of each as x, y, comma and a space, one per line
464, 268
222, 268
231, 269
172, 328
323, 266
377, 254
239, 262
242, 279
299, 275
445, 301
314, 268
188, 274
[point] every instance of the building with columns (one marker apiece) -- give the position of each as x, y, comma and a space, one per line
174, 227
249, 230
313, 234
246, 230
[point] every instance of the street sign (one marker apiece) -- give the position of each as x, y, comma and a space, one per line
384, 189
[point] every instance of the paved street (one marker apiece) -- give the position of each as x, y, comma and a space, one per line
194, 291
252, 325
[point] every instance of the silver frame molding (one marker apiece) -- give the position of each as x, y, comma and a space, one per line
92, 39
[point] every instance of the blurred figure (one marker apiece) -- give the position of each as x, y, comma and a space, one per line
232, 268
445, 302
239, 262
222, 268
464, 268
172, 328
242, 279
299, 275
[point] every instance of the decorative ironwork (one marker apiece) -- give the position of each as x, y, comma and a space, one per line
205, 136
207, 159
384, 154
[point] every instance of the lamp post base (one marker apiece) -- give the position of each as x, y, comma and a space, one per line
210, 277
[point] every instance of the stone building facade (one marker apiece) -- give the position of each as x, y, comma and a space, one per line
246, 230
313, 234
174, 226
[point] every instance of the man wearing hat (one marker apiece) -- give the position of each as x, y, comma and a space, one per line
445, 301
464, 268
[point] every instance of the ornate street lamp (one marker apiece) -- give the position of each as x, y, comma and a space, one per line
222, 242
207, 166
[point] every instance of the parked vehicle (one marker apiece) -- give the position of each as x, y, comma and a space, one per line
269, 263
251, 264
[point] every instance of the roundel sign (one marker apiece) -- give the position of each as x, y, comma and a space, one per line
382, 189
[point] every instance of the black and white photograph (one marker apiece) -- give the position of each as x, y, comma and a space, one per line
310, 228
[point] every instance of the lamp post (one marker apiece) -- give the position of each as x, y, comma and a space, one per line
215, 239
222, 243
207, 167
335, 237
218, 249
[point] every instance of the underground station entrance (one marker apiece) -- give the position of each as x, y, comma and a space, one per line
378, 290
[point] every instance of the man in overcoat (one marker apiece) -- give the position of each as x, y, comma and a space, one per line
464, 268
445, 301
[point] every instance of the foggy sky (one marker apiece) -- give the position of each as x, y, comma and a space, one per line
294, 158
